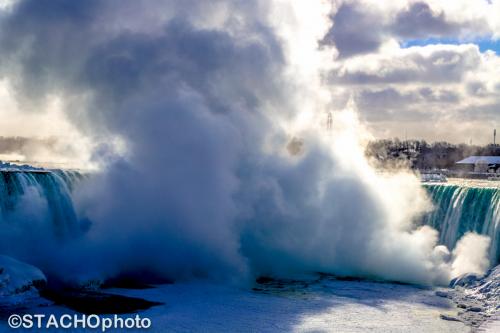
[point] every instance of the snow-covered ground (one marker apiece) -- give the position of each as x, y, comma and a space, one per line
478, 299
18, 283
473, 182
491, 326
327, 305
319, 304
7, 166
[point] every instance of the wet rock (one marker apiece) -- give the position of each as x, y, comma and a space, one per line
449, 318
441, 293
475, 309
95, 302
264, 280
465, 280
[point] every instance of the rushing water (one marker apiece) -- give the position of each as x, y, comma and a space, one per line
53, 187
459, 209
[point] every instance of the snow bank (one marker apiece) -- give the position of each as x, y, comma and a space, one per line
18, 281
477, 297
6, 166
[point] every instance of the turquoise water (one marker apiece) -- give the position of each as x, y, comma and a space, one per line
460, 209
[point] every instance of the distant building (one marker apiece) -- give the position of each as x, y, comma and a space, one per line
481, 163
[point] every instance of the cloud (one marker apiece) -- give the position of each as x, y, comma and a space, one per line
381, 104
430, 65
368, 36
419, 20
395, 85
356, 30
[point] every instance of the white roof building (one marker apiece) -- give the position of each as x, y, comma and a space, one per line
480, 160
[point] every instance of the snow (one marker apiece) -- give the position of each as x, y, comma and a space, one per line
322, 304
478, 299
16, 276
326, 306
480, 160
18, 282
6, 166
479, 183
491, 326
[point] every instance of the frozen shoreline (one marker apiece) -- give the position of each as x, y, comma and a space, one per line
324, 303
328, 306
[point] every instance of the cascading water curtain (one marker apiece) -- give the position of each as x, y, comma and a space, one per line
460, 209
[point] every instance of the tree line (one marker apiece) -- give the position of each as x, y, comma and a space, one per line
419, 154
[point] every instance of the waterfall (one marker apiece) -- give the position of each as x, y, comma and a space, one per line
459, 209
37, 213
52, 189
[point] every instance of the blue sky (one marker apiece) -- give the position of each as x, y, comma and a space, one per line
484, 44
